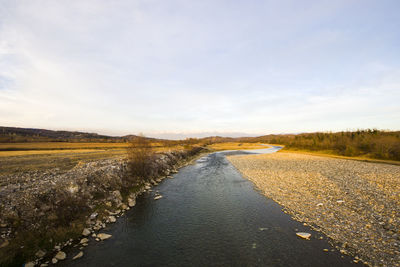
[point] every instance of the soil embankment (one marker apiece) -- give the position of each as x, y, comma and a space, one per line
355, 203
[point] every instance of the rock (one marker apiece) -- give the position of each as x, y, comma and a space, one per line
108, 204
86, 232
320, 204
325, 249
57, 247
112, 219
103, 236
40, 253
3, 225
131, 202
30, 264
77, 256
94, 235
117, 194
4, 244
157, 197
124, 206
84, 240
93, 215
147, 187
54, 260
44, 265
304, 235
60, 255
340, 201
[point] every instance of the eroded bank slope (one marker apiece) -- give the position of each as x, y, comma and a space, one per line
355, 203
43, 211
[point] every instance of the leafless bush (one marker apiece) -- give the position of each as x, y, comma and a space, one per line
140, 157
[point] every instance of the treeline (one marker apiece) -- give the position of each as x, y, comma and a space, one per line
371, 142
22, 135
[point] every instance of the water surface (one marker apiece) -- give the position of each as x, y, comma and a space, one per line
209, 216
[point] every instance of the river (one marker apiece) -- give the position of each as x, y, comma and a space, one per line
209, 216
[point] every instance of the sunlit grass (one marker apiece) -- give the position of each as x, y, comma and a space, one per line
236, 146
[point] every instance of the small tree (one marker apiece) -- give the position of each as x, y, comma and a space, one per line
140, 156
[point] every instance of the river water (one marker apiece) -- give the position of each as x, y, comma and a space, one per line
209, 216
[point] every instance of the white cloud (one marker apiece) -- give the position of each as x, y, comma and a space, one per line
190, 67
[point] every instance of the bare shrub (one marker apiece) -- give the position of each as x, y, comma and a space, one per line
140, 158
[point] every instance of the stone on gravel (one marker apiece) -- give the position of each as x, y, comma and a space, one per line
84, 240
157, 197
112, 219
54, 260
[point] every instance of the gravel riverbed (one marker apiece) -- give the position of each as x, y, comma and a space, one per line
355, 203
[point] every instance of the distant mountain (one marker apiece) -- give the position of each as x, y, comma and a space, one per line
14, 134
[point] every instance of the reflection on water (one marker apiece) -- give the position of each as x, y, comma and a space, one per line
208, 216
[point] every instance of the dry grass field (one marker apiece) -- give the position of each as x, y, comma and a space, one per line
235, 146
21, 157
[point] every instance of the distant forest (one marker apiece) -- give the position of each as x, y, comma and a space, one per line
22, 135
370, 143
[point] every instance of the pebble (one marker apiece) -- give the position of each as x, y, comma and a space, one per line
157, 197
29, 264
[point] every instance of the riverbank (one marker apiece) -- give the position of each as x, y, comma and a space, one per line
44, 211
355, 203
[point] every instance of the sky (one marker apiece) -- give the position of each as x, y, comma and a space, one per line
194, 68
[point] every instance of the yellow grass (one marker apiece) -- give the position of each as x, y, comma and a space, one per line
330, 154
236, 146
41, 152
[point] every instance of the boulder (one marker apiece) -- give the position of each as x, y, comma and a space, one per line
60, 255
4, 244
157, 197
86, 232
304, 235
40, 253
103, 236
131, 202
77, 256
